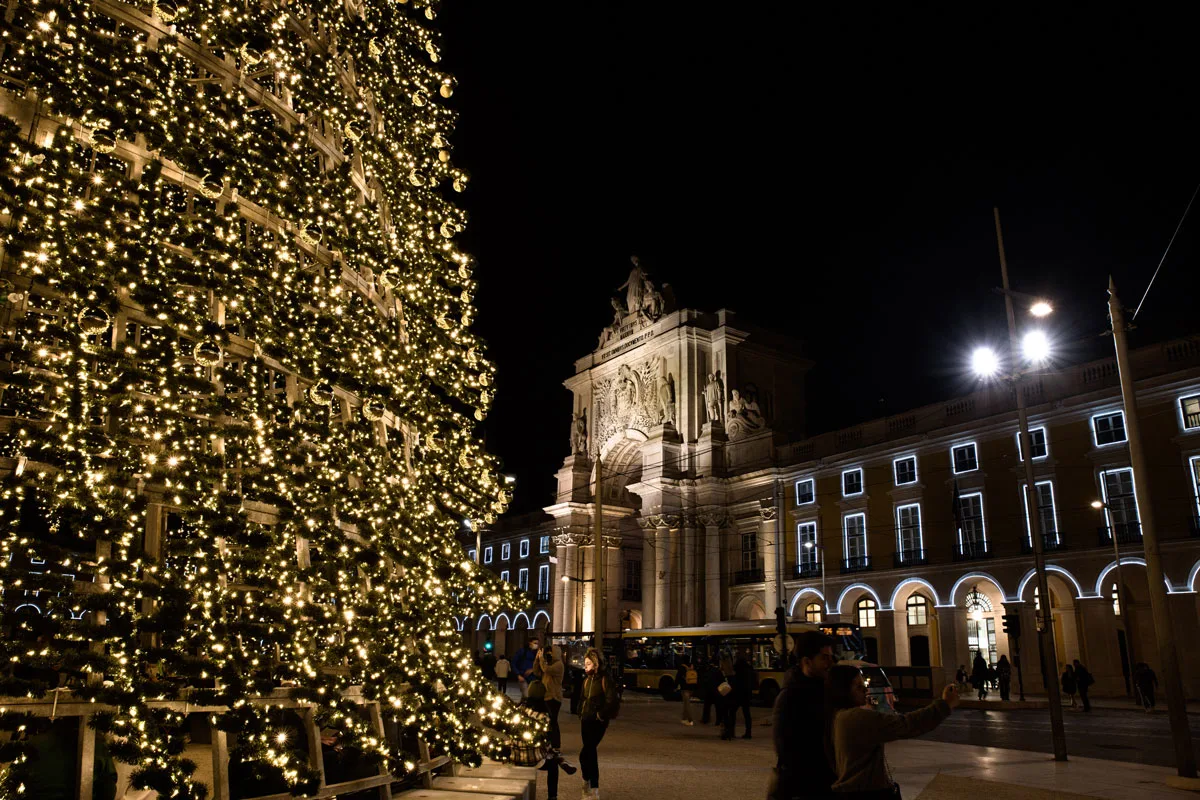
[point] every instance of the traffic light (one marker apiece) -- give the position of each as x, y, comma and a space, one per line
1012, 624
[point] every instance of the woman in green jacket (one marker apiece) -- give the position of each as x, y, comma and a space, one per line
598, 698
858, 733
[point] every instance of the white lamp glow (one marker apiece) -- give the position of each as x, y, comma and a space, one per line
985, 362
1036, 346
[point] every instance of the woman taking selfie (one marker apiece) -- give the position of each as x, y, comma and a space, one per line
858, 733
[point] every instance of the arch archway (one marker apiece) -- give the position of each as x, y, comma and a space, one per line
853, 591
957, 592
808, 592
635, 619
915, 624
750, 607
541, 620
1065, 578
622, 455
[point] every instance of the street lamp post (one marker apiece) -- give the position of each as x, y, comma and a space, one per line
1098, 505
1036, 346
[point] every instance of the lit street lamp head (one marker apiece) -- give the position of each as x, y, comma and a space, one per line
1097, 504
1041, 309
1036, 346
985, 362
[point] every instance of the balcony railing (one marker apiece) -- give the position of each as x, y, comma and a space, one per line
856, 564
748, 576
543, 597
909, 558
1050, 542
1127, 533
633, 594
972, 551
806, 571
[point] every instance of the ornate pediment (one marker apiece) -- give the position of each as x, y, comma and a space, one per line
628, 399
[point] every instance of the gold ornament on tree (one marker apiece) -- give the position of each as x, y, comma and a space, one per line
321, 393
372, 410
207, 353
93, 320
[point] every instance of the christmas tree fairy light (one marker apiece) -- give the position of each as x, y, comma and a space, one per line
240, 393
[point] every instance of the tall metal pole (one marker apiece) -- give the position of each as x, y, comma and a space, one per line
1045, 627
600, 587
1168, 655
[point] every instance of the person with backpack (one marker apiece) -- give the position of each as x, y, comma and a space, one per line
502, 669
726, 699
1004, 672
545, 695
599, 703
1083, 679
688, 680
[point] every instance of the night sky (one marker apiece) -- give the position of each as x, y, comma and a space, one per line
826, 175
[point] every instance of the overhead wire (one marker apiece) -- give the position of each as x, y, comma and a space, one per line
1162, 260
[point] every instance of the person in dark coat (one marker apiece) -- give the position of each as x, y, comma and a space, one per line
745, 682
1069, 684
802, 769
1083, 680
1004, 674
1146, 683
727, 702
979, 675
712, 701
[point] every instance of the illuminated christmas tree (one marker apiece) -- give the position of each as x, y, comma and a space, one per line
240, 393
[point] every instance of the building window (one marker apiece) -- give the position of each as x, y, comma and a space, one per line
749, 551
964, 458
1194, 464
524, 548
812, 613
806, 534
972, 537
1190, 406
908, 531
543, 580
1046, 514
1109, 428
854, 531
906, 470
1120, 502
918, 610
633, 576
544, 545
1038, 437
523, 579
1116, 598
471, 553
505, 575
866, 613
505, 551
806, 492
487, 555
852, 482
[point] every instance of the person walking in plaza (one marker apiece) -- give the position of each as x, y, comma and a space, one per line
1083, 680
802, 769
1004, 675
858, 733
688, 681
597, 703
548, 669
745, 682
960, 678
502, 669
1146, 682
979, 677
1069, 684
712, 700
727, 701
522, 664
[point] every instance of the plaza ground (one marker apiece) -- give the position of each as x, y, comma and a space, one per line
647, 753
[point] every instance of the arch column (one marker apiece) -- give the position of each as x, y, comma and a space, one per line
649, 571
885, 627
769, 554
664, 549
689, 611
713, 574
952, 630
566, 594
